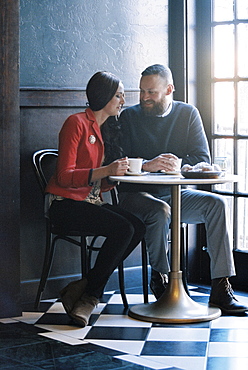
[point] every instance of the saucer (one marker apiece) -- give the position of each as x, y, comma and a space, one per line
136, 173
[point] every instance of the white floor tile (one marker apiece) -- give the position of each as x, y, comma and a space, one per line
139, 360
131, 298
230, 322
7, 320
179, 334
63, 338
70, 331
98, 309
57, 307
199, 294
29, 317
242, 299
121, 321
185, 363
115, 299
49, 300
230, 349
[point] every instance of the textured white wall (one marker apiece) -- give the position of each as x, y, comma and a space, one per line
63, 42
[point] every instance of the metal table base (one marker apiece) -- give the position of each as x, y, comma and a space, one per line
175, 306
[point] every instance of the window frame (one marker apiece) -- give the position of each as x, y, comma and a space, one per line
204, 104
191, 65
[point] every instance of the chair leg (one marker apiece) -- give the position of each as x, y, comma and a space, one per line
45, 270
144, 270
122, 285
84, 256
89, 249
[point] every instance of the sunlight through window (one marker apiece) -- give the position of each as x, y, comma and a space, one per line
230, 109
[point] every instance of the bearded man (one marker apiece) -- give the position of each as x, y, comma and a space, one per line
160, 130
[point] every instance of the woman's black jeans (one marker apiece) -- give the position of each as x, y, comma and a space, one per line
123, 232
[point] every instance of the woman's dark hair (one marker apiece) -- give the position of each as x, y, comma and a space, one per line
100, 89
111, 136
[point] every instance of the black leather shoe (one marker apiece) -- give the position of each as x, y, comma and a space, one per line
158, 283
222, 296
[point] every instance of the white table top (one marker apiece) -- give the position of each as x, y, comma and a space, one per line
172, 180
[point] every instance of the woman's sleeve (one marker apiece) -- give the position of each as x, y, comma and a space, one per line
70, 138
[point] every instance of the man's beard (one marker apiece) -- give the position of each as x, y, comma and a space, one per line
157, 109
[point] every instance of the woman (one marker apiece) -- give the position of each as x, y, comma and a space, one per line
74, 193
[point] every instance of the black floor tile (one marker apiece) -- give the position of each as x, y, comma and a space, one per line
154, 348
14, 335
115, 333
229, 335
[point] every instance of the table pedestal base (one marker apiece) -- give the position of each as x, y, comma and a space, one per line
174, 306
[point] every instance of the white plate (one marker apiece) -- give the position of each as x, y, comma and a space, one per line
136, 173
202, 174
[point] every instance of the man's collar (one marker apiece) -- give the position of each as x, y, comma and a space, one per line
168, 110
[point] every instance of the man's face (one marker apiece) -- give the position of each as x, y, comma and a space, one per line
154, 95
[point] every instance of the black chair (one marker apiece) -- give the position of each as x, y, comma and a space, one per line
44, 162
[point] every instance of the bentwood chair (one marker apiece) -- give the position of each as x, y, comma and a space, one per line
44, 162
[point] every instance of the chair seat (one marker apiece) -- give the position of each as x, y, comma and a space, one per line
58, 231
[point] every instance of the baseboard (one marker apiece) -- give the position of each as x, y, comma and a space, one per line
133, 279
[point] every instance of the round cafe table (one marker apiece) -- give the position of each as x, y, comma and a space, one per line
175, 305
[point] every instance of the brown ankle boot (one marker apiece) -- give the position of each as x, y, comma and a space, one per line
83, 309
222, 296
71, 293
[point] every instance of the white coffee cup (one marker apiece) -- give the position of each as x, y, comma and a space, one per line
135, 165
178, 163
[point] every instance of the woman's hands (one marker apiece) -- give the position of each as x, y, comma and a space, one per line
119, 167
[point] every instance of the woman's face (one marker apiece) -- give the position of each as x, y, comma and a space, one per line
115, 104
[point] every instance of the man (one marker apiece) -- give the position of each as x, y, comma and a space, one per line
160, 130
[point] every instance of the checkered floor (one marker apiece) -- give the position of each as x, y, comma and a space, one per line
218, 344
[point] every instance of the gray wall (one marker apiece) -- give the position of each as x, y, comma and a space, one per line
63, 42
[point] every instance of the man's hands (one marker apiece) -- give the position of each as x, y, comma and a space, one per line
165, 162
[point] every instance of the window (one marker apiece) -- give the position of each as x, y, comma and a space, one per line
229, 86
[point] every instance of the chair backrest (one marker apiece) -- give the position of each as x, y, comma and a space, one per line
44, 162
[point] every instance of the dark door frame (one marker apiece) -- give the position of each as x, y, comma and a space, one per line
10, 304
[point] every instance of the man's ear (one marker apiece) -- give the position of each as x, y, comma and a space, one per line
170, 89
